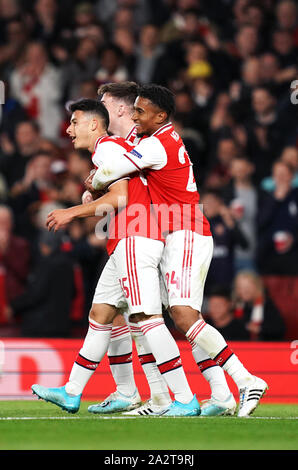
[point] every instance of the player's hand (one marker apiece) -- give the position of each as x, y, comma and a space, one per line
88, 181
58, 219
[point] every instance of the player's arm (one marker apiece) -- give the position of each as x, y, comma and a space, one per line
149, 153
116, 198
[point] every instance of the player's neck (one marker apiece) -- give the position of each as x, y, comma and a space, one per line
123, 128
158, 127
94, 139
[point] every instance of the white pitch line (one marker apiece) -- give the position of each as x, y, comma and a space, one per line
20, 418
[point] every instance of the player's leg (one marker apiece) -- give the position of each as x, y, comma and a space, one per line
107, 299
188, 255
120, 356
159, 393
126, 395
138, 266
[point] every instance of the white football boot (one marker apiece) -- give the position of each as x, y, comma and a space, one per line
250, 397
214, 407
148, 409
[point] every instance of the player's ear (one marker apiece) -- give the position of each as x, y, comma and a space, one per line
161, 117
120, 110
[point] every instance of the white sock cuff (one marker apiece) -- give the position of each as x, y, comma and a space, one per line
98, 326
194, 330
120, 332
148, 325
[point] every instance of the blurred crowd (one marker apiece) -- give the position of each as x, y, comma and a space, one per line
233, 65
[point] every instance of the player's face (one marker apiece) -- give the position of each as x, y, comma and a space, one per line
147, 117
113, 108
79, 129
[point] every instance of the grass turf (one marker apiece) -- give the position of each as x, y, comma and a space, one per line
36, 425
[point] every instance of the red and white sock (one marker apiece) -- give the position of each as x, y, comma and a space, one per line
167, 356
215, 346
159, 392
95, 346
120, 360
213, 373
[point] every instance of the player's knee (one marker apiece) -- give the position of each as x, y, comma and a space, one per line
102, 313
184, 317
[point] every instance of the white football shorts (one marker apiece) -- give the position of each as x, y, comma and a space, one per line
130, 279
184, 267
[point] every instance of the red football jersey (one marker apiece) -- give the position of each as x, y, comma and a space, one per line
136, 219
171, 184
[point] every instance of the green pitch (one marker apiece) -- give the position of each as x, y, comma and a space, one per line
36, 425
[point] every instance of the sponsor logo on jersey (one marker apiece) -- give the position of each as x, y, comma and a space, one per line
136, 154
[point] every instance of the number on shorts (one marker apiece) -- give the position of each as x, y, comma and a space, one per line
124, 287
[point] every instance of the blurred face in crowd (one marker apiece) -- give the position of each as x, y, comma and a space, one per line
42, 167
241, 169
247, 287
282, 174
286, 12
125, 40
290, 157
218, 307
149, 36
26, 137
251, 71
226, 151
262, 101
269, 67
282, 42
247, 40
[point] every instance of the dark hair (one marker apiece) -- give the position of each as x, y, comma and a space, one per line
160, 96
91, 106
127, 91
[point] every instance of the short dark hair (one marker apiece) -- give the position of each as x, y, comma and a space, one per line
91, 106
160, 96
127, 91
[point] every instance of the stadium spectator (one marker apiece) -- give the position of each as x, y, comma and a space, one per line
232, 69
112, 67
36, 84
267, 131
147, 54
17, 153
219, 170
79, 67
242, 197
44, 308
290, 157
226, 236
253, 305
220, 315
277, 250
15, 259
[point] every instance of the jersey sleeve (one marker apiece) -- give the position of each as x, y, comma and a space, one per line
114, 163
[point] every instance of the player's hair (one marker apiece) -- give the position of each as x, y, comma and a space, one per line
91, 106
126, 91
160, 96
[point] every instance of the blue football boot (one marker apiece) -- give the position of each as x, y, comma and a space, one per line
180, 409
59, 397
